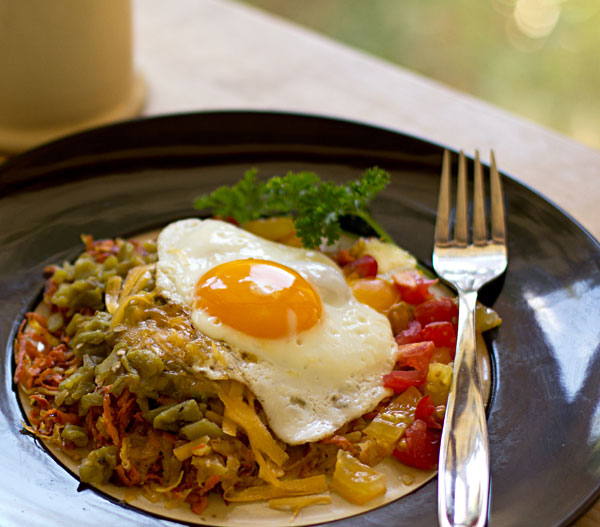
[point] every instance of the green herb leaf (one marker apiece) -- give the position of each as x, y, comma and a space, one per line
317, 206
242, 201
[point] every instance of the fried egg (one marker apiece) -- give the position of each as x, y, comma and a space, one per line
293, 332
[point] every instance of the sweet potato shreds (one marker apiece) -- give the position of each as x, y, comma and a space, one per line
108, 415
48, 419
118, 414
40, 401
127, 407
90, 425
196, 496
197, 501
38, 364
100, 250
130, 477
122, 417
50, 288
27, 350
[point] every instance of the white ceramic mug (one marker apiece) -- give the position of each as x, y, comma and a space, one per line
65, 65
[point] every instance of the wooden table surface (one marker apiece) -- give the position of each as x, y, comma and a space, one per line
217, 54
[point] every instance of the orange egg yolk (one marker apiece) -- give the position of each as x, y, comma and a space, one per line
259, 298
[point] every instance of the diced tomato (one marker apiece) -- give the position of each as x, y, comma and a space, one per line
425, 412
441, 333
441, 309
411, 334
420, 446
413, 287
401, 380
364, 267
416, 355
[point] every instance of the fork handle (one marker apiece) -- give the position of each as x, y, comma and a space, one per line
464, 469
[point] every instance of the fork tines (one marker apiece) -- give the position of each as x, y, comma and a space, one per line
461, 228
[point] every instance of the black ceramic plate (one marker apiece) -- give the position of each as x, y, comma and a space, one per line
544, 418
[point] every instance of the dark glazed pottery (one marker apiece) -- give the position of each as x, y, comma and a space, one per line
544, 417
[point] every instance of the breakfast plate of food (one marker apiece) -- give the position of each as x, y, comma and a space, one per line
229, 318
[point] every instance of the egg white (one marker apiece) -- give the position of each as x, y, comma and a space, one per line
309, 384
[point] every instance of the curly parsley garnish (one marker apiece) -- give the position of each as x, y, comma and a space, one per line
315, 205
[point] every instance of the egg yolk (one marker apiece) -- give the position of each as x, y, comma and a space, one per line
260, 298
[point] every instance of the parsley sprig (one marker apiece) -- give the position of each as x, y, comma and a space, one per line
316, 206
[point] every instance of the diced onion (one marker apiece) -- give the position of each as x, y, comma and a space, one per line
356, 482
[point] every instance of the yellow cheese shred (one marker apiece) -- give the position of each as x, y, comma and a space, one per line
267, 470
112, 293
129, 289
229, 427
285, 488
295, 503
187, 450
170, 487
261, 441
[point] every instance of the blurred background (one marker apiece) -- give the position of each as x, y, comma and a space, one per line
527, 56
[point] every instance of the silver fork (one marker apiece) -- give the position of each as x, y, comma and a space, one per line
464, 468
